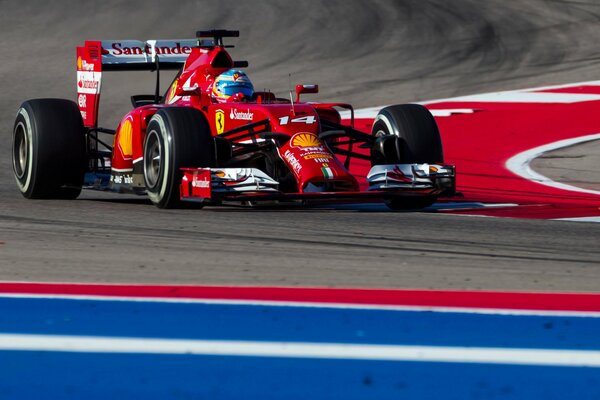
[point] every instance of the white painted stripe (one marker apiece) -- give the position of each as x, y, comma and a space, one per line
519, 164
122, 169
491, 355
537, 89
371, 112
468, 205
301, 304
567, 85
451, 111
580, 219
527, 97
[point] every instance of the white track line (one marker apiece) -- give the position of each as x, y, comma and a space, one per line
528, 95
519, 164
580, 219
515, 95
487, 355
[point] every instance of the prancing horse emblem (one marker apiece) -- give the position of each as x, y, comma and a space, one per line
220, 121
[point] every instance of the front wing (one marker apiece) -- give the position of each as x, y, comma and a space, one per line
385, 182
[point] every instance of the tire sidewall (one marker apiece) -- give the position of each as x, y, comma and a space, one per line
24, 121
414, 125
56, 149
185, 142
383, 126
158, 128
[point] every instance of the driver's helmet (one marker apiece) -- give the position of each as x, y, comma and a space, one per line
232, 83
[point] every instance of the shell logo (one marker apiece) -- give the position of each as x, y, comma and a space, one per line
171, 93
305, 140
125, 138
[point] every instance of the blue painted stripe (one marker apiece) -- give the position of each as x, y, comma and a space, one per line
269, 323
56, 375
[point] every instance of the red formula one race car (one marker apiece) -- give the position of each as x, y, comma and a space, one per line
211, 138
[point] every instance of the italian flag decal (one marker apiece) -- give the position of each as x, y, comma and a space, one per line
327, 172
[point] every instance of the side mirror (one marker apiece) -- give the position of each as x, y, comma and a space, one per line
305, 89
187, 90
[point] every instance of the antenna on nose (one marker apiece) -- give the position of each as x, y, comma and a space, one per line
291, 97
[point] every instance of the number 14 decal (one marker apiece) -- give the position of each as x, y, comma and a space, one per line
310, 119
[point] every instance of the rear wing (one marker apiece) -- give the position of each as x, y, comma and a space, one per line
123, 55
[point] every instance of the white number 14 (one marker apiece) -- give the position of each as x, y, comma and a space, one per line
310, 119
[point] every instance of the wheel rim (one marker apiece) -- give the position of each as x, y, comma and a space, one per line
153, 160
20, 151
380, 129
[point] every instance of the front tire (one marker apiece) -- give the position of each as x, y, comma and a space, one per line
176, 138
49, 149
406, 134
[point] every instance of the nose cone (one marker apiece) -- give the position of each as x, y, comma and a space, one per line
316, 169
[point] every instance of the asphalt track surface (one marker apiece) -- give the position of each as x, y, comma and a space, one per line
367, 53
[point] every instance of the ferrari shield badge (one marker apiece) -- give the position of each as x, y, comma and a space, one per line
220, 121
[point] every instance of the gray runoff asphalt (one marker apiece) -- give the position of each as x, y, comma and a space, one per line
368, 53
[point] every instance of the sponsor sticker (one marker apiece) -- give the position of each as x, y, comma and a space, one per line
121, 178
88, 82
293, 161
82, 100
126, 139
220, 121
327, 172
318, 157
304, 140
162, 48
310, 147
83, 65
171, 94
241, 115
200, 183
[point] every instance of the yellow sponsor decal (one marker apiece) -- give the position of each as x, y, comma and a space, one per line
171, 93
125, 138
317, 155
220, 121
305, 140
78, 63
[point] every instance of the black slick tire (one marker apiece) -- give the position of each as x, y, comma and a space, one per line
49, 149
418, 142
176, 137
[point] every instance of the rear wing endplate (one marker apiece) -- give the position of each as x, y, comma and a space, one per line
122, 55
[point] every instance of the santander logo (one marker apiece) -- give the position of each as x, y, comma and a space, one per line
176, 48
88, 84
241, 115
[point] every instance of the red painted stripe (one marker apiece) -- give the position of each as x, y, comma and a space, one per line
436, 298
480, 143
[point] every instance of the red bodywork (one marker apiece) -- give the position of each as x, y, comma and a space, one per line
297, 128
306, 156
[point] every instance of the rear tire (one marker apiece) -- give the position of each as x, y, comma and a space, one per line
418, 142
49, 149
176, 138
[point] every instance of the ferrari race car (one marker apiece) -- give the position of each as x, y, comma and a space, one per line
187, 146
